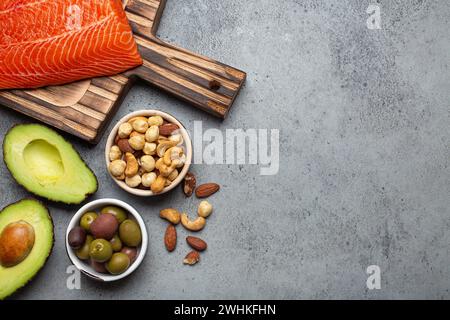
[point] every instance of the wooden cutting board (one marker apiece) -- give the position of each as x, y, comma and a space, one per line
86, 107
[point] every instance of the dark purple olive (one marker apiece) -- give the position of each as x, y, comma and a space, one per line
98, 266
104, 227
130, 252
77, 237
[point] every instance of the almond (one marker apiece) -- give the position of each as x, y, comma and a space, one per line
196, 243
170, 238
207, 189
124, 146
189, 184
192, 258
168, 129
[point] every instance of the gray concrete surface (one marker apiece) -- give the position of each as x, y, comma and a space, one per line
364, 172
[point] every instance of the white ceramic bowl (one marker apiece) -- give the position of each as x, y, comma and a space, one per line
84, 266
187, 144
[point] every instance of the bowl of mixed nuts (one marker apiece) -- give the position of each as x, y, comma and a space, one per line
148, 153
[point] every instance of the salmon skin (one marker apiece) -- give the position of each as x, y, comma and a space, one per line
53, 42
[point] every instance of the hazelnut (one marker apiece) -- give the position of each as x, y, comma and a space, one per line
155, 121
115, 153
148, 179
137, 142
140, 125
133, 181
152, 134
117, 167
148, 163
149, 148
125, 130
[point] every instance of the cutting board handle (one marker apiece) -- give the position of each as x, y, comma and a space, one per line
210, 85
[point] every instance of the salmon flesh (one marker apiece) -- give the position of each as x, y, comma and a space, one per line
53, 42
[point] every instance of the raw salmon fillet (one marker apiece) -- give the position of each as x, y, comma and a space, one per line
52, 42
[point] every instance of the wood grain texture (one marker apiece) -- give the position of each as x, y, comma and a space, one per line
85, 108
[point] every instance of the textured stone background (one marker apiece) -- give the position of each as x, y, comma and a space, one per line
364, 173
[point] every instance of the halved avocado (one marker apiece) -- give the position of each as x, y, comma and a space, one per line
47, 165
34, 214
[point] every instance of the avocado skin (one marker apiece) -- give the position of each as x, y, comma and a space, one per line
18, 289
66, 141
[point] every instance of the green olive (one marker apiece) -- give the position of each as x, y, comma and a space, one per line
87, 219
100, 250
119, 213
83, 252
116, 243
118, 264
130, 233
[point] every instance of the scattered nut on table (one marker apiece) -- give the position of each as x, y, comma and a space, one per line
204, 209
192, 225
170, 214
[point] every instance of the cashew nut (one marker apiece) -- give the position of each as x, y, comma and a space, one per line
117, 168
204, 209
178, 138
148, 163
172, 154
152, 134
166, 170
149, 148
115, 153
181, 161
125, 130
148, 179
137, 142
195, 225
173, 175
159, 163
158, 185
155, 121
163, 146
140, 125
133, 181
171, 215
132, 165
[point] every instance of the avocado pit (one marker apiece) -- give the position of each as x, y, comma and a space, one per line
16, 243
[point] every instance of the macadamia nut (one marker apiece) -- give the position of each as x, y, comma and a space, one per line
204, 209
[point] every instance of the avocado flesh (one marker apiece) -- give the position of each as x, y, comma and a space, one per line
47, 165
34, 213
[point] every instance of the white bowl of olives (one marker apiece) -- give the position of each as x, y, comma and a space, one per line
107, 239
